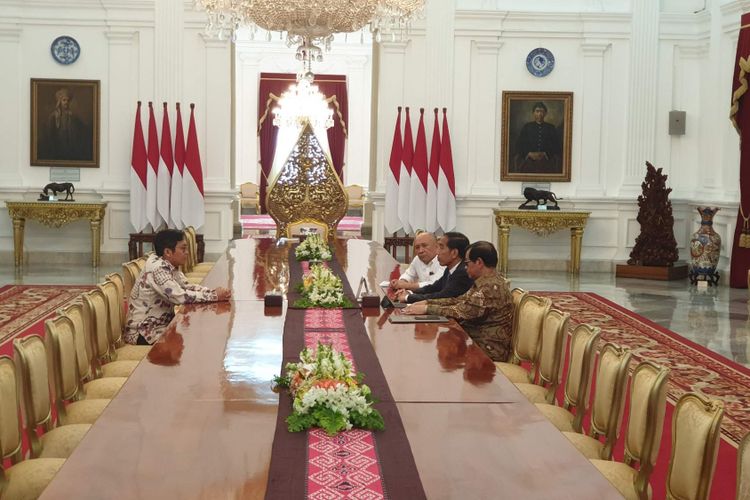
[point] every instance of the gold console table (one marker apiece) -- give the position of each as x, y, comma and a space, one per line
55, 214
543, 223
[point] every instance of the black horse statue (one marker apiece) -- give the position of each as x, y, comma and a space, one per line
59, 188
541, 197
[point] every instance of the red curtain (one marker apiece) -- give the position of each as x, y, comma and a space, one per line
272, 85
740, 115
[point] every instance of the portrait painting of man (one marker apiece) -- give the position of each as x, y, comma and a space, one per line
536, 136
64, 123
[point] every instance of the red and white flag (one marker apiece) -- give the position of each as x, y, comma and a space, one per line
193, 204
392, 222
404, 181
175, 199
446, 188
153, 168
166, 165
138, 176
431, 223
418, 186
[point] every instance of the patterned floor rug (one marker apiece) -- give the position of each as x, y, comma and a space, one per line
693, 368
23, 309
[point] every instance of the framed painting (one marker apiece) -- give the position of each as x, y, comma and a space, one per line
536, 136
64, 123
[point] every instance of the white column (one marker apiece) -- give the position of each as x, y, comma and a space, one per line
357, 154
483, 129
119, 112
217, 115
247, 156
642, 90
168, 52
390, 91
589, 178
15, 108
440, 21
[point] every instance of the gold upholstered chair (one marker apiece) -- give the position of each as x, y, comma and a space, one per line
549, 368
517, 294
55, 442
110, 385
356, 195
578, 382
608, 405
96, 319
120, 350
119, 283
527, 331
24, 479
648, 401
295, 228
743, 468
130, 274
250, 196
75, 403
195, 266
696, 430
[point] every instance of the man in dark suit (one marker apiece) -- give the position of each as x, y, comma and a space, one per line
454, 282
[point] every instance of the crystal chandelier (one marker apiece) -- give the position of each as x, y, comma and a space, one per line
310, 24
302, 103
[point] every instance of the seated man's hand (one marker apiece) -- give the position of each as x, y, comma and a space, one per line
223, 294
416, 308
401, 295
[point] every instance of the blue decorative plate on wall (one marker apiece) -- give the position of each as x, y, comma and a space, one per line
540, 62
65, 49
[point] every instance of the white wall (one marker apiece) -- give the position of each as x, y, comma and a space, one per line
628, 64
139, 50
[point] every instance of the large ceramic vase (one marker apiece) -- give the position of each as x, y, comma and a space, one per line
705, 248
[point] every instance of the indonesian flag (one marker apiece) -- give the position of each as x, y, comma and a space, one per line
392, 222
175, 200
446, 187
418, 186
138, 176
431, 223
166, 165
193, 204
153, 167
404, 189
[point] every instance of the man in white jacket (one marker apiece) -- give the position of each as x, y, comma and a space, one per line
425, 268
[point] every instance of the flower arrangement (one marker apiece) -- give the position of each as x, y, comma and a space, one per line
313, 248
321, 288
327, 393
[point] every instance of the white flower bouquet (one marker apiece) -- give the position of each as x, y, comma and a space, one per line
313, 248
327, 393
321, 288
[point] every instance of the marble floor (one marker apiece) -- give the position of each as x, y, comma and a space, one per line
717, 318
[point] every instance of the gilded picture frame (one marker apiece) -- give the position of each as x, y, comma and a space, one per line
536, 136
65, 123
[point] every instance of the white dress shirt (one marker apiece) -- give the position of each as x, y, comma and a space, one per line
425, 274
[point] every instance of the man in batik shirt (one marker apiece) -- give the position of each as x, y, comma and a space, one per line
486, 310
160, 287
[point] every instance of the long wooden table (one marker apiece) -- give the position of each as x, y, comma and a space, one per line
196, 419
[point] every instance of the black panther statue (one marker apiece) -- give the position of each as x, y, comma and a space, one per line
58, 188
541, 197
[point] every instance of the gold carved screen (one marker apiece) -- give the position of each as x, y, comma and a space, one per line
307, 188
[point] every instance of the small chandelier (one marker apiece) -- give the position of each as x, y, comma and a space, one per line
303, 103
310, 23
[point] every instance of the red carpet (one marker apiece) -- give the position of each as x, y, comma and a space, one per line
693, 369
23, 309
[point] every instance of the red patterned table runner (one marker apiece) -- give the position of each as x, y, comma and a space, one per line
352, 464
